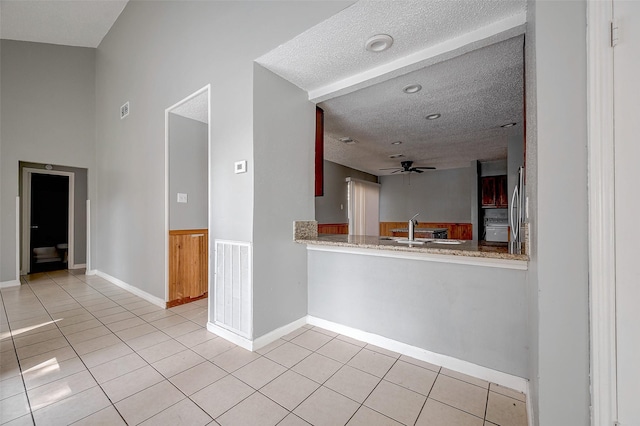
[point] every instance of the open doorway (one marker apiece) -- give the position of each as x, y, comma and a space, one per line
47, 219
187, 137
53, 231
49, 239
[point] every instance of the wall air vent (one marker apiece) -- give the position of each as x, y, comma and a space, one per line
124, 110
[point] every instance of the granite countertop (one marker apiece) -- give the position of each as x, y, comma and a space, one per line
466, 248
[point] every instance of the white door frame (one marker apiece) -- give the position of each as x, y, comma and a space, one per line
601, 181
26, 215
206, 89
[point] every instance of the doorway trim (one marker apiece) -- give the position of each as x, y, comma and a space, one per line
206, 89
26, 216
601, 181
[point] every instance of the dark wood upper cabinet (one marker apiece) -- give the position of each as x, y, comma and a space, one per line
495, 192
319, 163
489, 191
502, 191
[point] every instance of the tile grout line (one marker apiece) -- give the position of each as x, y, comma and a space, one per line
134, 351
486, 405
81, 360
113, 333
125, 343
287, 369
428, 394
24, 385
69, 289
149, 364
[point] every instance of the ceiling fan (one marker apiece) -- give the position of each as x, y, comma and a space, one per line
407, 168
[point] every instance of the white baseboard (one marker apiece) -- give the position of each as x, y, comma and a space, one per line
260, 342
91, 272
7, 284
131, 289
503, 379
78, 266
243, 342
465, 367
274, 335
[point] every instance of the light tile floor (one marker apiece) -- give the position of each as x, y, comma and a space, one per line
76, 349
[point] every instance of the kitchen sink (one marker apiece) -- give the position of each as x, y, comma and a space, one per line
405, 240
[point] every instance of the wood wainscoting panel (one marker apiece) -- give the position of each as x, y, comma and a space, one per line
333, 228
455, 231
188, 266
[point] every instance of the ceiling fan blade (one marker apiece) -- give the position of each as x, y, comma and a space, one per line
390, 168
416, 170
425, 168
396, 171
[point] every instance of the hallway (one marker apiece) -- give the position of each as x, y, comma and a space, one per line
89, 352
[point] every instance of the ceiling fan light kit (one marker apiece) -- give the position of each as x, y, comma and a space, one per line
407, 167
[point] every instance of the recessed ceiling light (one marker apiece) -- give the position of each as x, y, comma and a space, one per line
508, 125
379, 43
347, 140
396, 156
396, 143
412, 88
432, 116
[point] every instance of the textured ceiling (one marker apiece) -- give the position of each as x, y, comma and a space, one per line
81, 23
476, 93
466, 54
334, 49
195, 109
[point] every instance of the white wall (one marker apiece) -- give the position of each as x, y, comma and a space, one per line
156, 54
493, 168
328, 206
48, 116
473, 313
284, 142
438, 195
188, 173
557, 187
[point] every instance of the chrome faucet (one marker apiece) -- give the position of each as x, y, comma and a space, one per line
412, 224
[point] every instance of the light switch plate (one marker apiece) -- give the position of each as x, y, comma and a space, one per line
182, 198
240, 166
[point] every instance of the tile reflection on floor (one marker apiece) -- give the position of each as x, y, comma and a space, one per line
76, 349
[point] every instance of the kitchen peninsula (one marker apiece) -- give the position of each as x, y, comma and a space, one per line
453, 304
307, 234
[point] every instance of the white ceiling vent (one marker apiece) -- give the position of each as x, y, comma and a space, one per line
124, 110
